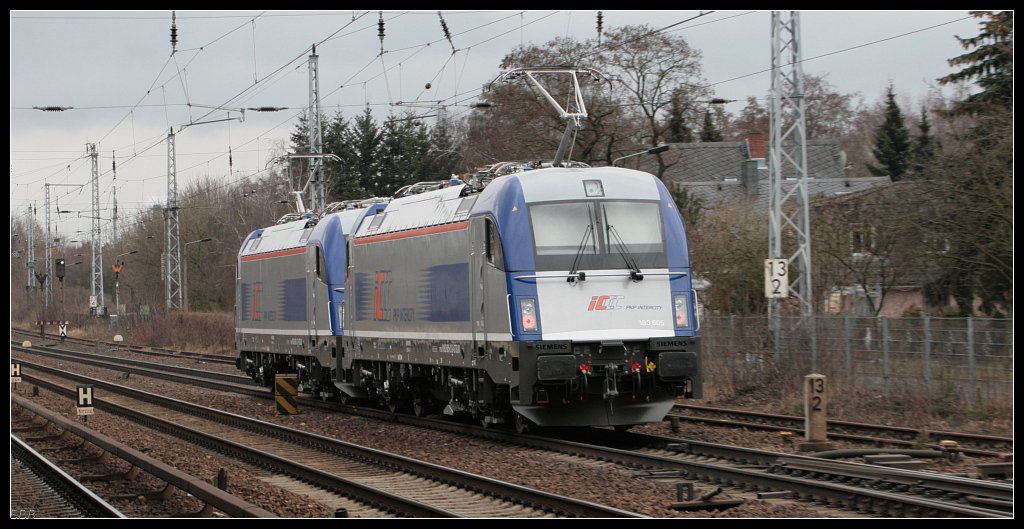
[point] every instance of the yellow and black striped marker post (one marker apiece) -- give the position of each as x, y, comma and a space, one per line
285, 394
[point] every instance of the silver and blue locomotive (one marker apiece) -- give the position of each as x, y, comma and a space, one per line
554, 297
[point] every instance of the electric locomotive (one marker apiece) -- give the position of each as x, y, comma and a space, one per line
289, 291
554, 297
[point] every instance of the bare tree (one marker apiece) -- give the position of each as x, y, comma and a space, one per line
828, 113
728, 246
869, 241
653, 70
645, 72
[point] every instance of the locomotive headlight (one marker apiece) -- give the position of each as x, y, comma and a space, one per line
681, 311
528, 314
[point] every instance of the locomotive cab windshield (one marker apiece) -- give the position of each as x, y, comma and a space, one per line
603, 234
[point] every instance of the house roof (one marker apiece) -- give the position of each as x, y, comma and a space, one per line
699, 162
825, 159
712, 193
721, 161
713, 172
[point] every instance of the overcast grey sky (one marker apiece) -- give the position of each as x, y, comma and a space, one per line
116, 69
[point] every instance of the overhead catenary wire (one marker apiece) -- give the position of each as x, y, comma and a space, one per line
424, 46
186, 17
163, 90
806, 59
451, 99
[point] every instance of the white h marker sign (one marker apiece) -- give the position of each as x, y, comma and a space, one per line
85, 399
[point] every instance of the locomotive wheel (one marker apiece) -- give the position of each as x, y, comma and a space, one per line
393, 405
485, 421
523, 425
419, 407
344, 398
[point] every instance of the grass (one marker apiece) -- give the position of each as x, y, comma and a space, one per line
772, 387
204, 332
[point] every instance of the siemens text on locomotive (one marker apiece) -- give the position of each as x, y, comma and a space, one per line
554, 297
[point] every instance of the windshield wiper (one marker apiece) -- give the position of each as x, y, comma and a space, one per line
634, 269
579, 254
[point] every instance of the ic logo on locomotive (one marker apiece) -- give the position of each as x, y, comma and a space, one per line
604, 303
380, 299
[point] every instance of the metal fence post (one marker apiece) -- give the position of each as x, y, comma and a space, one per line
776, 332
885, 353
970, 361
927, 352
848, 345
732, 350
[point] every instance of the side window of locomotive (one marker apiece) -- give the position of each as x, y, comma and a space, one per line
321, 265
378, 219
494, 253
462, 212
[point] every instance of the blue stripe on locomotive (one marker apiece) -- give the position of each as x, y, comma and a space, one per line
329, 237
329, 234
507, 205
364, 284
678, 254
444, 293
287, 304
293, 300
245, 302
675, 233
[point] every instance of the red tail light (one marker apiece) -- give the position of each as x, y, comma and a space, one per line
681, 309
528, 314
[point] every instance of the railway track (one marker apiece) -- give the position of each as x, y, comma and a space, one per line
128, 365
971, 444
176, 489
40, 489
385, 482
848, 486
982, 495
889, 492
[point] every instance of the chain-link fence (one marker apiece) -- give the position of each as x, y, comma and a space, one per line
953, 362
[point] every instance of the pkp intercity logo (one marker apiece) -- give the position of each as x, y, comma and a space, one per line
605, 303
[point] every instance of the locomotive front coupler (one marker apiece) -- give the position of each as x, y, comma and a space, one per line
611, 387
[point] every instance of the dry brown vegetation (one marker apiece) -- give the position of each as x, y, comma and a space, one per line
743, 370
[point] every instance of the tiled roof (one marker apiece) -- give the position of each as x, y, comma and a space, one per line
824, 159
712, 193
721, 161
699, 162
